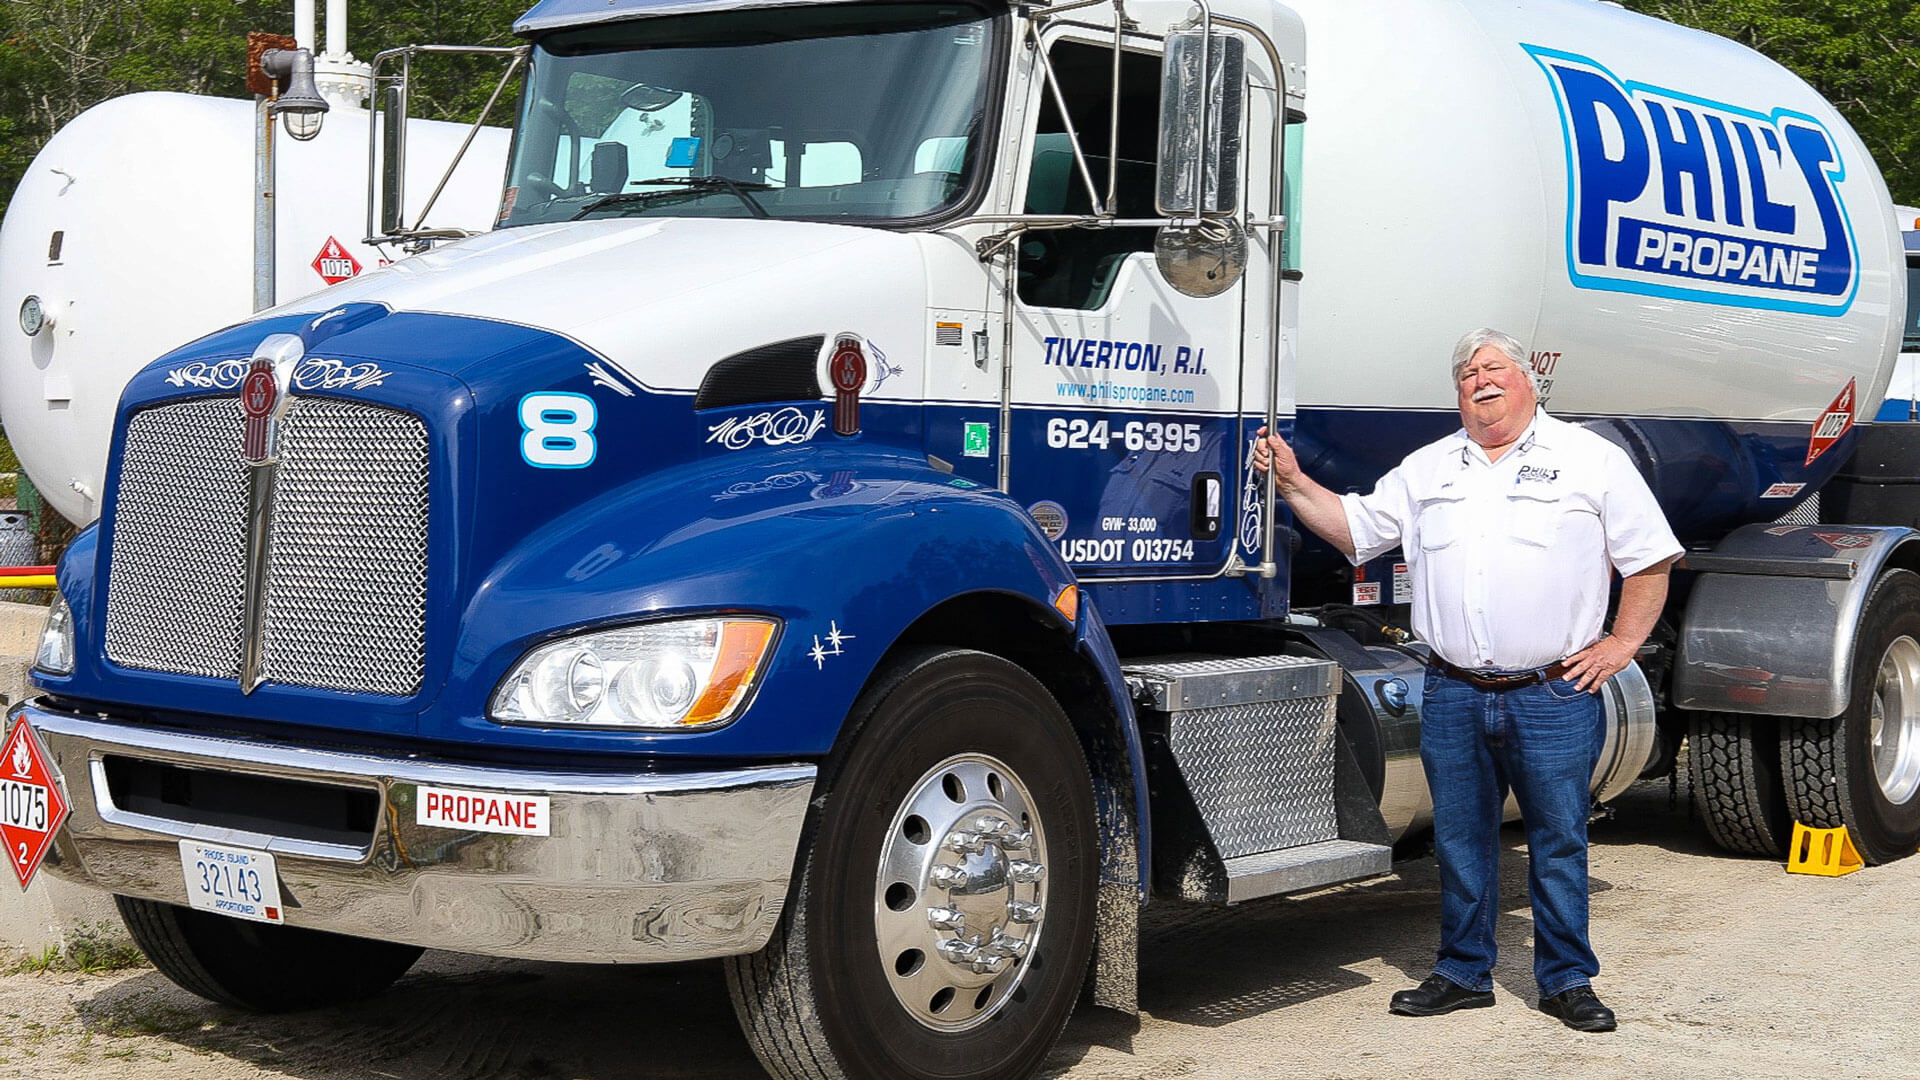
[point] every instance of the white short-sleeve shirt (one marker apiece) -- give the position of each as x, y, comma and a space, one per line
1512, 560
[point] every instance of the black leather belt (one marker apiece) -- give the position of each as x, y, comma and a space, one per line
1480, 681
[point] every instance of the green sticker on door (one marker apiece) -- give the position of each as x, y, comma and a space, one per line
977, 440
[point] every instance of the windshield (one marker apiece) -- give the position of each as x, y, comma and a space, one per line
824, 112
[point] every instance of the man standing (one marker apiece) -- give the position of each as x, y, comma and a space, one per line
1512, 527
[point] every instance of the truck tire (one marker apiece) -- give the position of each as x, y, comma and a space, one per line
1862, 768
258, 966
964, 791
1734, 763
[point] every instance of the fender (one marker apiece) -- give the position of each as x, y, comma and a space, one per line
845, 546
74, 580
1771, 624
1097, 650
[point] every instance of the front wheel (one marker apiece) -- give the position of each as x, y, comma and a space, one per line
944, 913
257, 966
1862, 768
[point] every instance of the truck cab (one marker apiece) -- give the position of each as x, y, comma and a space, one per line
1902, 403
716, 558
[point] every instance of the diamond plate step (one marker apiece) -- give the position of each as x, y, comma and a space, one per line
1308, 866
1254, 740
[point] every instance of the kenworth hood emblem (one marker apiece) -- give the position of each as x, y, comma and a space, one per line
263, 395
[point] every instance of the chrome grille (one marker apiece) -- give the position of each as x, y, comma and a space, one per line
175, 595
347, 561
345, 596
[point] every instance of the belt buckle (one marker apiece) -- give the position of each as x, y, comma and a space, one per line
1505, 681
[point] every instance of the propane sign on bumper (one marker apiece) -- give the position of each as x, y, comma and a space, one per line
481, 811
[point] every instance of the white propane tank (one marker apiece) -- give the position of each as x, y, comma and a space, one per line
1645, 205
134, 229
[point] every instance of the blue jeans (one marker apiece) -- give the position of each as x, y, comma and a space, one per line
1542, 741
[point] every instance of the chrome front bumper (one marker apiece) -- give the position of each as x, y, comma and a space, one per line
636, 869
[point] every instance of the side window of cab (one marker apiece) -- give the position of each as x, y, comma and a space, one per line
1075, 267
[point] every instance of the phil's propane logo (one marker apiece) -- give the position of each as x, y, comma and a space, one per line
1674, 195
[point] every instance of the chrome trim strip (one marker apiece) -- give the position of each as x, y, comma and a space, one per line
284, 352
254, 582
301, 763
1769, 566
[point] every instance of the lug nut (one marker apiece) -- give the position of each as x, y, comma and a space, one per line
1022, 872
947, 919
966, 843
957, 951
988, 965
1022, 912
947, 877
1011, 948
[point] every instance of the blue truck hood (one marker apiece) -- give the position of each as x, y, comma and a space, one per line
488, 342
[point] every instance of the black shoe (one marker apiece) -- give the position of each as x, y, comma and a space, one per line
1438, 995
1579, 1009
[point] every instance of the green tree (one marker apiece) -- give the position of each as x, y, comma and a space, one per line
447, 88
60, 57
1862, 55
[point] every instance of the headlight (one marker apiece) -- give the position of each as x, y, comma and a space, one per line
55, 656
668, 676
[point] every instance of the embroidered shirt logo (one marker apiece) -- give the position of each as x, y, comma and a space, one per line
1534, 473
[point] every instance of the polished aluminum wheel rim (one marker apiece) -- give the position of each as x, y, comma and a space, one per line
1894, 725
960, 892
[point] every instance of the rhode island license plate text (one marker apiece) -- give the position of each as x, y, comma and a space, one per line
231, 881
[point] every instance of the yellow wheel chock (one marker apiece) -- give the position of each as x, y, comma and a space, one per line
1827, 852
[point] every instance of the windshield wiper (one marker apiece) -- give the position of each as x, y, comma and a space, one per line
692, 184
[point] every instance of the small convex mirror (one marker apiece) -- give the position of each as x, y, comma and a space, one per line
1199, 176
1203, 259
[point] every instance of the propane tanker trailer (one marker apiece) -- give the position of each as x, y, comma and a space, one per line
816, 528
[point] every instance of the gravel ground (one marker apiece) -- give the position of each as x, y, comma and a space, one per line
1718, 966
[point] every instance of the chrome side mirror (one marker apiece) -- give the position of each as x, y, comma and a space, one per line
1203, 95
393, 158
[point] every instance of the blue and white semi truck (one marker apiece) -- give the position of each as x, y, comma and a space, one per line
815, 528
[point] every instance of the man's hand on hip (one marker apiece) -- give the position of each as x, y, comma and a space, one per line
1594, 665
1641, 596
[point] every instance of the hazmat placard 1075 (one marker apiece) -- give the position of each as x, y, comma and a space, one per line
31, 805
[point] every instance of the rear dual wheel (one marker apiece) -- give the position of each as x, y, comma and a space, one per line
1862, 769
944, 912
1733, 762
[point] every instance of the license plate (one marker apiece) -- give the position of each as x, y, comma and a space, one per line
231, 881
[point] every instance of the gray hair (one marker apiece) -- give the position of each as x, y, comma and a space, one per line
1506, 344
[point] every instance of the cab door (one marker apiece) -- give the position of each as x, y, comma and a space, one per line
1125, 437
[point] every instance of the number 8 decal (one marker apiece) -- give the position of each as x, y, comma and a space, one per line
558, 430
